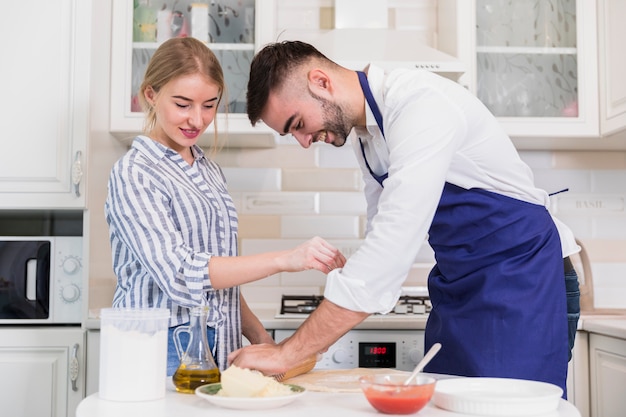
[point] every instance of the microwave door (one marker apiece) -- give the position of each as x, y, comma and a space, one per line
25, 275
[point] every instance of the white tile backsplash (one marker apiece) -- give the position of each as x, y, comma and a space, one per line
609, 181
537, 160
342, 203
328, 227
557, 180
609, 227
280, 203
609, 285
253, 179
315, 179
332, 157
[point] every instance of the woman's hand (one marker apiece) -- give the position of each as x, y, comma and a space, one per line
315, 253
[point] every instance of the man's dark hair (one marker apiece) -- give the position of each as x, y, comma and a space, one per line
270, 67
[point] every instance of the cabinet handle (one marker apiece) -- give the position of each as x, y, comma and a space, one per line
77, 173
74, 367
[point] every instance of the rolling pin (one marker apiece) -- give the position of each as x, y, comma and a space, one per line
299, 369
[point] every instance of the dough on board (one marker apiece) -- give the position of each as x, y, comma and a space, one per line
337, 380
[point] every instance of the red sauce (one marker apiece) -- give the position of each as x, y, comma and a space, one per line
407, 401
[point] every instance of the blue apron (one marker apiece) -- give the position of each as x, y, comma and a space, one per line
497, 289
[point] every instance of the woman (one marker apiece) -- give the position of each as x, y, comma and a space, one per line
172, 223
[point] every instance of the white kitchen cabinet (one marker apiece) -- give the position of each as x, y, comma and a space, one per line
45, 101
612, 65
93, 362
237, 29
551, 71
607, 364
578, 374
42, 371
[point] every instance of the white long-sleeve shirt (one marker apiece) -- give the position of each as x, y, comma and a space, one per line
435, 132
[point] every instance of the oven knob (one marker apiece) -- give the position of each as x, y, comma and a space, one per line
71, 265
70, 293
415, 355
340, 356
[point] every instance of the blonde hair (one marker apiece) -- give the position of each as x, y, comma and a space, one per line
174, 58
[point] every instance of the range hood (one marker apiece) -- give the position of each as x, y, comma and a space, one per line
386, 48
361, 36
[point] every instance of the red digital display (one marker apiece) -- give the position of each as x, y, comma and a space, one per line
378, 350
377, 355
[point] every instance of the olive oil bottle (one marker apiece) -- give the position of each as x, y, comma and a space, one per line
197, 366
187, 380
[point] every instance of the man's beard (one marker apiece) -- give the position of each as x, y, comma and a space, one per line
335, 121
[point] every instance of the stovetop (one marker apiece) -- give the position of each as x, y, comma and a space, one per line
296, 306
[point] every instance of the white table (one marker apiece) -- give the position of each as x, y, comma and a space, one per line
312, 404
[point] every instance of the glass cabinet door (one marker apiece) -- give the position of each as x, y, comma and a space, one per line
227, 26
531, 63
232, 29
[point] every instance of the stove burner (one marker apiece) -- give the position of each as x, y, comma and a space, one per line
299, 304
306, 304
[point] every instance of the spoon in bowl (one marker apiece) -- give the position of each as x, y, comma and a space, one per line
427, 358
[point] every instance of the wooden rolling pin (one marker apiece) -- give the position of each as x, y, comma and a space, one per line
300, 369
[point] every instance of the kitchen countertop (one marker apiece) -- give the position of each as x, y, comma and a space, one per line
614, 326
609, 324
267, 316
311, 404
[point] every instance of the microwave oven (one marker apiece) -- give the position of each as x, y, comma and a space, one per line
41, 279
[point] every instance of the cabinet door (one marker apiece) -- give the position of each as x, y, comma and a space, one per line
578, 374
37, 367
608, 376
45, 97
236, 28
611, 34
536, 66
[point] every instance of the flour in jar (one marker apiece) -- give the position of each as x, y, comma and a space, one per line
132, 364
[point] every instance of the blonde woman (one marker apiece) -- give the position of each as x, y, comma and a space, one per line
172, 222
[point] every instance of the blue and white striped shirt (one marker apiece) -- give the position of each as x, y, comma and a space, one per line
166, 219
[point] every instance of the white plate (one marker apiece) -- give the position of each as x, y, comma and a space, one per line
209, 393
496, 396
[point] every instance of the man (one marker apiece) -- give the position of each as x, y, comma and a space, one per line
436, 163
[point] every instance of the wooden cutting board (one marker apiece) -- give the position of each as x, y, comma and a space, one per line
337, 380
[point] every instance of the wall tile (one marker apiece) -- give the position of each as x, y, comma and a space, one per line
608, 181
310, 278
607, 251
557, 180
537, 160
327, 227
254, 246
279, 203
269, 297
581, 225
609, 227
609, 285
253, 179
599, 160
281, 156
418, 275
332, 157
251, 226
321, 180
342, 203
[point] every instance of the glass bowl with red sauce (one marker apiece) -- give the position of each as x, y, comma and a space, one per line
388, 394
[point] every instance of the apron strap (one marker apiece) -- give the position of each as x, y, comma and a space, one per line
379, 121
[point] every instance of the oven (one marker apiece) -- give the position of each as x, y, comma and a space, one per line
384, 341
40, 279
